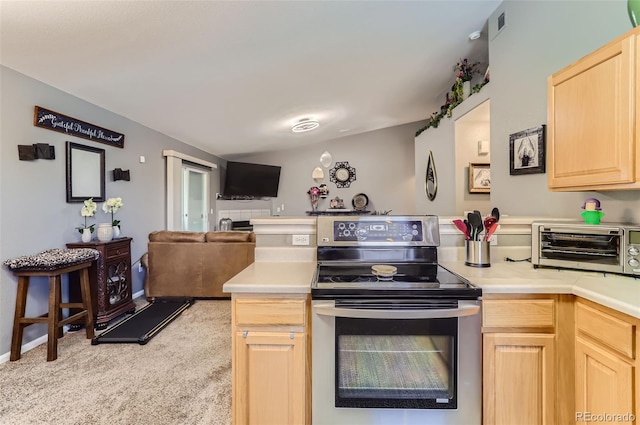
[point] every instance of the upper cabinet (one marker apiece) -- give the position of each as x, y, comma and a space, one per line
593, 141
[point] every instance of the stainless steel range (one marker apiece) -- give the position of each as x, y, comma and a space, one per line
396, 337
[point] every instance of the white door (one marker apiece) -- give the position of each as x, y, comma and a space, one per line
195, 199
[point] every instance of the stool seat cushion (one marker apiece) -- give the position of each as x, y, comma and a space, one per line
52, 259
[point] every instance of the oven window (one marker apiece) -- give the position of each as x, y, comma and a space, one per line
396, 363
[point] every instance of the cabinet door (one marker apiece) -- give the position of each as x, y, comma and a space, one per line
519, 379
270, 378
604, 382
591, 142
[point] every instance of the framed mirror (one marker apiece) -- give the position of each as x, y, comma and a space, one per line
342, 174
85, 173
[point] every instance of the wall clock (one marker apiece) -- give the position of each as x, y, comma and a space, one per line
342, 174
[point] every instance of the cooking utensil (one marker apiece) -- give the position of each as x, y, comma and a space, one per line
475, 221
488, 221
462, 226
495, 212
490, 231
480, 227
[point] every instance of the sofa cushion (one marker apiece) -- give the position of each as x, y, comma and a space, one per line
175, 236
230, 236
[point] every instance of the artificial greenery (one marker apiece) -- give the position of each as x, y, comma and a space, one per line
464, 72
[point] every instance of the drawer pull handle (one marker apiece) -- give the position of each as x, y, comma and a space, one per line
291, 335
245, 333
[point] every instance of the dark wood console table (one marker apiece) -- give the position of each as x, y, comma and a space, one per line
110, 281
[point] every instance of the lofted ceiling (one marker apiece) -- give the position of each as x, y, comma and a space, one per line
232, 77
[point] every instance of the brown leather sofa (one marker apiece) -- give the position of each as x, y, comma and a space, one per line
195, 264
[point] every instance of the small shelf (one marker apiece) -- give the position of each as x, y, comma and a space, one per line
338, 212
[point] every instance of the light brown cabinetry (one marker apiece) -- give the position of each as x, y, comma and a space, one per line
271, 368
593, 135
519, 375
521, 343
606, 362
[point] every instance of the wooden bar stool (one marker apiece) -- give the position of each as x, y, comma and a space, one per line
54, 266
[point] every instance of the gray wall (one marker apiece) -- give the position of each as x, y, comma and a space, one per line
539, 39
34, 215
383, 160
453, 145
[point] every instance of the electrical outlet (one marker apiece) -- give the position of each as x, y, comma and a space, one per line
300, 240
493, 240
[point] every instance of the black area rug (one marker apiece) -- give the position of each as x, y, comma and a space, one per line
145, 323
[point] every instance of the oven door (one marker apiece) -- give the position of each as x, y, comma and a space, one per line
387, 359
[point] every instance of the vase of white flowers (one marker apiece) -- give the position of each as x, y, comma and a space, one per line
88, 210
111, 206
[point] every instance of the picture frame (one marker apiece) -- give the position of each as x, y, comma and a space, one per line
527, 153
85, 169
479, 177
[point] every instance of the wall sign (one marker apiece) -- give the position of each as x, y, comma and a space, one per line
46, 118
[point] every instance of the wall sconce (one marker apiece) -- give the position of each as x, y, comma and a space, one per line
317, 175
36, 151
120, 174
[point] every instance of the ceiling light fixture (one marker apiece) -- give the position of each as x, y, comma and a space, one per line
475, 35
305, 124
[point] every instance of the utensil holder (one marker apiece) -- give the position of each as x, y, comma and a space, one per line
478, 253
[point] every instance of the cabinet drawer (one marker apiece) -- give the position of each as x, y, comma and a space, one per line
117, 250
606, 329
270, 312
518, 313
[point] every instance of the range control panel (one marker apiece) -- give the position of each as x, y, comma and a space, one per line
377, 231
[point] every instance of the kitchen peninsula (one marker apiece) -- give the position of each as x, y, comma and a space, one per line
552, 328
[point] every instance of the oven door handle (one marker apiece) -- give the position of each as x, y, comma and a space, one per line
329, 309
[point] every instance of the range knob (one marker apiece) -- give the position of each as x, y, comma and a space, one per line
633, 250
634, 263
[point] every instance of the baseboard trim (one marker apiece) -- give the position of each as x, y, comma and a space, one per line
43, 339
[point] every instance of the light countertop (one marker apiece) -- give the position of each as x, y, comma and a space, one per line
273, 277
620, 293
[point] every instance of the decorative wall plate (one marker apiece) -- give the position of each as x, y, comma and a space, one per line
360, 202
342, 174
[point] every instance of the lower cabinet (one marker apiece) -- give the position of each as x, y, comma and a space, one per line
519, 376
606, 361
520, 359
270, 367
558, 359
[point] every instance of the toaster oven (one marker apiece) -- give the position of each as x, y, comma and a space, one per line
608, 247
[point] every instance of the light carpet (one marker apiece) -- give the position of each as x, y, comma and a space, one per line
181, 376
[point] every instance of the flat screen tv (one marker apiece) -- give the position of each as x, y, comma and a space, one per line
243, 179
